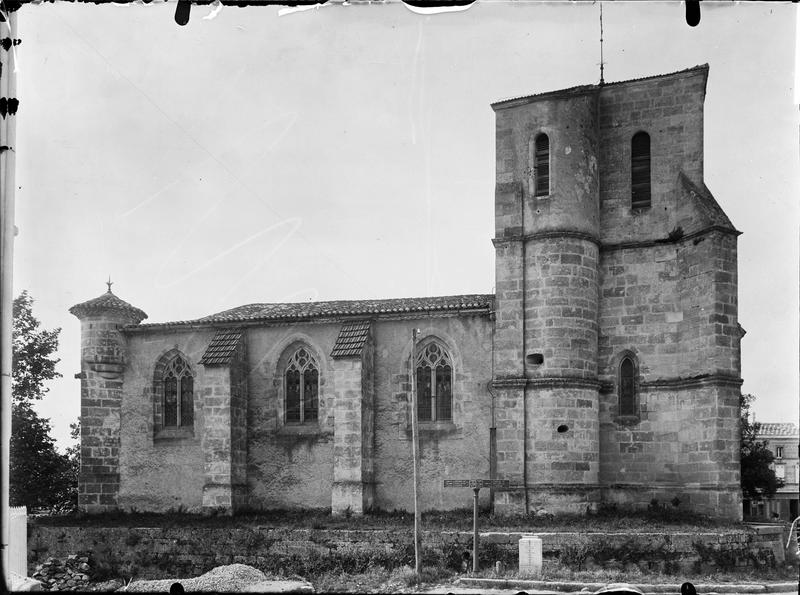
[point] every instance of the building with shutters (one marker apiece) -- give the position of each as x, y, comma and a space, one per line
605, 368
783, 441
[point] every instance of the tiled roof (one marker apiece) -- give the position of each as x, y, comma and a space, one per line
777, 430
222, 347
351, 339
583, 88
107, 301
305, 310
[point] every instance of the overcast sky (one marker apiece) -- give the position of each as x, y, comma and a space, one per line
347, 152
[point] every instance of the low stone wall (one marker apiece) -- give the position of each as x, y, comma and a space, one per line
156, 552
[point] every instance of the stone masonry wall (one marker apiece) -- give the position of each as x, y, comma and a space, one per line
102, 365
160, 470
570, 122
670, 110
289, 465
168, 552
348, 463
561, 308
509, 402
368, 422
569, 456
674, 307
238, 422
225, 433
448, 450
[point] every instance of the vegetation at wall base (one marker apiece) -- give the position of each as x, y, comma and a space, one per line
606, 519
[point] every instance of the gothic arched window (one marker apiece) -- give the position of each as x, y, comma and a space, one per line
434, 384
302, 387
627, 386
541, 165
178, 393
640, 171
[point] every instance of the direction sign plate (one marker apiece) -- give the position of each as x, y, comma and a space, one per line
476, 483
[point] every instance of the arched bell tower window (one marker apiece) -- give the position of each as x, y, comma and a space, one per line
434, 384
178, 394
640, 171
541, 165
627, 386
302, 387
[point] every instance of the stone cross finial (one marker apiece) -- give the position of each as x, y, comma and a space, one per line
109, 283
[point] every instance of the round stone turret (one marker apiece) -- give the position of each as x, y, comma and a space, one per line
102, 346
103, 356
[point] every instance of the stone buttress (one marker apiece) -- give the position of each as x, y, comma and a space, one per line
224, 438
353, 434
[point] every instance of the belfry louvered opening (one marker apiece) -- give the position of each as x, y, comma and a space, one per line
541, 165
627, 387
640, 171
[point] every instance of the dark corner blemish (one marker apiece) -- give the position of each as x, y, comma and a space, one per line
182, 12
692, 12
8, 106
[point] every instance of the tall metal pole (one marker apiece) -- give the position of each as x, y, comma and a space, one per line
475, 529
8, 89
602, 82
415, 453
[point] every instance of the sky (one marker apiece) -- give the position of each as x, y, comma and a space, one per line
347, 152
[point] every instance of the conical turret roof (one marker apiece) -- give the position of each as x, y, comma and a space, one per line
108, 303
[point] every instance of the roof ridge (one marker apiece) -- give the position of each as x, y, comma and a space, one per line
592, 86
332, 308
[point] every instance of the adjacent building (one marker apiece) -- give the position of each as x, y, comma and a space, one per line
782, 439
605, 367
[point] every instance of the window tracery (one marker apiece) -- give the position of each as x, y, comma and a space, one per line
302, 387
434, 384
178, 393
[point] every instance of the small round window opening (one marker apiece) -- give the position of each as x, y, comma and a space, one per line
534, 359
562, 428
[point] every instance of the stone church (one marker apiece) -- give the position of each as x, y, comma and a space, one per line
605, 368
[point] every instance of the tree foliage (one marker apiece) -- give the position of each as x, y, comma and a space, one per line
758, 478
32, 364
39, 476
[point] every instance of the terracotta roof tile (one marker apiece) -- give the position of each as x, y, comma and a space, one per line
351, 339
305, 310
222, 347
107, 301
776, 430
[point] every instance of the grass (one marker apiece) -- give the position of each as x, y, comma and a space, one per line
404, 580
654, 519
378, 580
557, 572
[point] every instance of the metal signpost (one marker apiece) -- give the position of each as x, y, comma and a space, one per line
476, 485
